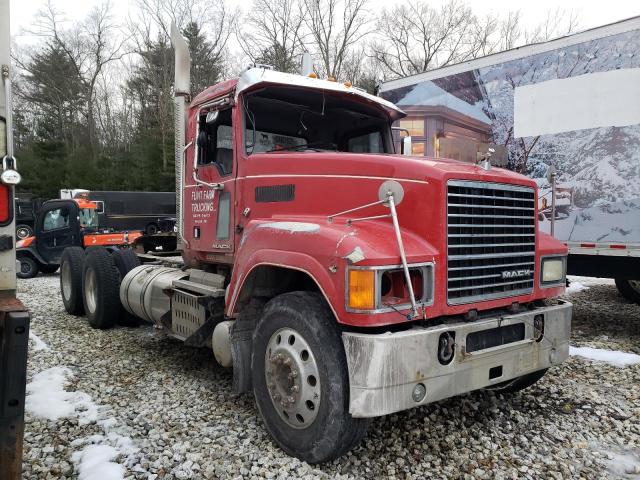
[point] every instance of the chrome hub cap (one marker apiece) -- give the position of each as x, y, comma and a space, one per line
90, 294
65, 279
292, 378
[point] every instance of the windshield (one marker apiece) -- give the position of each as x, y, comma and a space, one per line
297, 119
88, 218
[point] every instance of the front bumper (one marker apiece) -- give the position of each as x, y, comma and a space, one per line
385, 368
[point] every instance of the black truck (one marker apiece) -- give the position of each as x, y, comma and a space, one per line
151, 212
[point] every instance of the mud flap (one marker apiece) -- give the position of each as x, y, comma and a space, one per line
14, 344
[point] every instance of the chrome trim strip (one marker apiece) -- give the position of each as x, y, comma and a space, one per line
483, 245
490, 186
475, 225
490, 296
501, 207
491, 197
475, 267
521, 217
492, 255
475, 235
490, 285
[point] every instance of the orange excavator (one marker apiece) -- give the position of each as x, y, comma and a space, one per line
61, 224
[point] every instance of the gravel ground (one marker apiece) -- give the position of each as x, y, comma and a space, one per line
159, 410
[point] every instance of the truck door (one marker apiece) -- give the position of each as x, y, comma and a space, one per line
57, 228
212, 191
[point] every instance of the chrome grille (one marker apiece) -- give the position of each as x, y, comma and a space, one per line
491, 240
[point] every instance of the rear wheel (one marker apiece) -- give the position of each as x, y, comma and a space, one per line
300, 379
28, 267
519, 383
101, 282
71, 264
629, 289
151, 229
23, 231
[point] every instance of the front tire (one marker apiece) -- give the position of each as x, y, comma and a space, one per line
629, 289
71, 265
300, 379
28, 267
101, 286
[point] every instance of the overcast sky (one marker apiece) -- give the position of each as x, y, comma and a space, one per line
592, 13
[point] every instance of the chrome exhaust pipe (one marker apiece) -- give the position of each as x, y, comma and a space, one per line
182, 94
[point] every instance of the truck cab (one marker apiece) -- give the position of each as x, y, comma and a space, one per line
339, 279
60, 224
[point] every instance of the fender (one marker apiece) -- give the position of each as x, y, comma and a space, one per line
32, 251
323, 250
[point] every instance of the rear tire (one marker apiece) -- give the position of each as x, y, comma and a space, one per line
314, 423
519, 383
71, 265
101, 282
151, 229
629, 289
125, 260
28, 267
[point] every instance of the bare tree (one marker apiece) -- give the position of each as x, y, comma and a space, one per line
414, 37
89, 47
334, 27
557, 23
271, 33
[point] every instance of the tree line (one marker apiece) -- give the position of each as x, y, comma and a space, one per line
93, 99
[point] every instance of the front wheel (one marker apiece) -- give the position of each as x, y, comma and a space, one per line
28, 267
629, 289
300, 379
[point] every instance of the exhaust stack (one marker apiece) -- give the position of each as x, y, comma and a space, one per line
182, 93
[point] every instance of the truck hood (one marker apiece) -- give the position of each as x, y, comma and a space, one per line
381, 165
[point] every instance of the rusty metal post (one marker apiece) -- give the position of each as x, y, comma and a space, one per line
14, 342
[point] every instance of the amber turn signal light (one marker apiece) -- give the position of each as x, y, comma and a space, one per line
362, 289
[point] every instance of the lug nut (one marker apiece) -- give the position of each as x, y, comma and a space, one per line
294, 373
291, 400
295, 389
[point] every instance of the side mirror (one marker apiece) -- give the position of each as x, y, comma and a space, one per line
406, 146
405, 142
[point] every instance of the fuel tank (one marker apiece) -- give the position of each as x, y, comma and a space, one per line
142, 291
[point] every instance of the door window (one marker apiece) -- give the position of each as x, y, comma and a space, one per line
55, 219
215, 141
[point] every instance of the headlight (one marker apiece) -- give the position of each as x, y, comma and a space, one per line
382, 289
553, 271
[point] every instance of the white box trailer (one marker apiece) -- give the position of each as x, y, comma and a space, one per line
569, 106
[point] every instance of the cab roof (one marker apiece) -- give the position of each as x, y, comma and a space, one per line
253, 77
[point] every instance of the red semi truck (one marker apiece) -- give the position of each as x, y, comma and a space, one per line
340, 280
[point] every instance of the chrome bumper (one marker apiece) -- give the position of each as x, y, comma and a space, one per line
385, 368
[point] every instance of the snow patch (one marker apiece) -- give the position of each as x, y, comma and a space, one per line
38, 343
292, 227
575, 287
95, 463
614, 357
47, 397
625, 463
